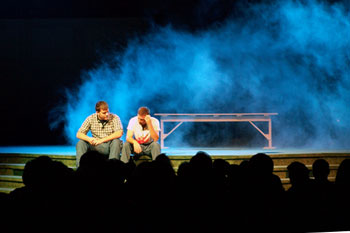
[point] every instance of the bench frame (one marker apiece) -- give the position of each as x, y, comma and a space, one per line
216, 117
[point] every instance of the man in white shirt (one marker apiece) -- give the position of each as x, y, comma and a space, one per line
142, 136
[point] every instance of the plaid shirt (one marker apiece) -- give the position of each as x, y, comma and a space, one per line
98, 129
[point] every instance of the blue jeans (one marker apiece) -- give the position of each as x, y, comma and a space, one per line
152, 149
111, 149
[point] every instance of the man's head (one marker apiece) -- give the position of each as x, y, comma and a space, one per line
320, 169
102, 110
141, 114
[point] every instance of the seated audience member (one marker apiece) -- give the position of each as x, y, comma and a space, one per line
323, 195
300, 198
342, 183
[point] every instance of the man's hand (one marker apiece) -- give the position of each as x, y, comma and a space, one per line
148, 119
137, 147
92, 141
154, 135
95, 141
98, 142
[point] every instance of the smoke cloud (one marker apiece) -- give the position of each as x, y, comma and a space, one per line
289, 57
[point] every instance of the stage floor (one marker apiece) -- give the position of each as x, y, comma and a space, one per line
173, 151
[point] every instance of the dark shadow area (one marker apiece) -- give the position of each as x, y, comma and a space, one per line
204, 195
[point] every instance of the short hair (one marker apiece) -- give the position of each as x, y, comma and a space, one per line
143, 111
101, 105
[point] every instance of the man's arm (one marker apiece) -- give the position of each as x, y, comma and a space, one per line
130, 139
84, 129
84, 137
116, 134
154, 133
130, 136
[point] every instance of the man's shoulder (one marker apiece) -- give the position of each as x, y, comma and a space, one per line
114, 116
133, 119
92, 116
154, 119
132, 122
89, 120
155, 123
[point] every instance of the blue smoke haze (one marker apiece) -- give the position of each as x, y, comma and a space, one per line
290, 57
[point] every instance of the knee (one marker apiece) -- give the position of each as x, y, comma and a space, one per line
126, 145
116, 142
155, 145
81, 143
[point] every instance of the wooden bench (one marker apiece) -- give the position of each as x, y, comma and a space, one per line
216, 117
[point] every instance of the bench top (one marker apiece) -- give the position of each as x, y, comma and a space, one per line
213, 114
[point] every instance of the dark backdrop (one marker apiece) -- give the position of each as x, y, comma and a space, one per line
45, 45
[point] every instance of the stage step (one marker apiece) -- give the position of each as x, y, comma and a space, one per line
8, 181
286, 182
14, 169
279, 159
6, 190
12, 165
14, 158
282, 171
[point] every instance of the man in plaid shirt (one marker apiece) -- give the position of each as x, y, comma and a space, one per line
106, 129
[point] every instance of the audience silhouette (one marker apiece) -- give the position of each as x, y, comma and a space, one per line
45, 197
342, 182
204, 195
323, 193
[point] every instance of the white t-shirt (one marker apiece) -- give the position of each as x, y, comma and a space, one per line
142, 135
